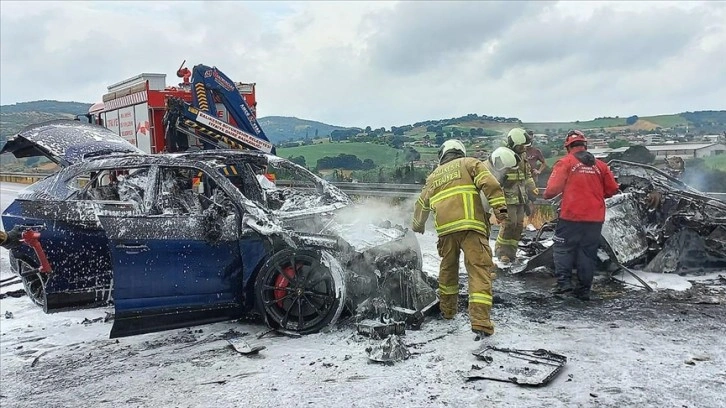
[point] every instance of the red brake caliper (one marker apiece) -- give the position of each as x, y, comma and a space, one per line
282, 282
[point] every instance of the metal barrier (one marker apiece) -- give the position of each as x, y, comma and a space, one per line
22, 178
353, 189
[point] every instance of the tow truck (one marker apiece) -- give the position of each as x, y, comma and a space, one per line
207, 110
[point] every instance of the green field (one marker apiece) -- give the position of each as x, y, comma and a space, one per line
587, 124
716, 162
666, 120
381, 155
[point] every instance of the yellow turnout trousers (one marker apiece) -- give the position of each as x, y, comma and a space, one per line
478, 263
510, 232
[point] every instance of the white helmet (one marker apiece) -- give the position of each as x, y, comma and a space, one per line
449, 145
517, 137
503, 158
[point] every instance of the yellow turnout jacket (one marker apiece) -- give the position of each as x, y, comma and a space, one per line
452, 193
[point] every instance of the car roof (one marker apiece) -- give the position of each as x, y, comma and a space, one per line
186, 158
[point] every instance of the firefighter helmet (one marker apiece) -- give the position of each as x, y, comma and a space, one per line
449, 145
574, 136
503, 158
517, 137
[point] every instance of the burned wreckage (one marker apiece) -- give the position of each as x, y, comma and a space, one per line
173, 240
656, 224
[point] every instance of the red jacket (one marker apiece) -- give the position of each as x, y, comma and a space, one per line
585, 182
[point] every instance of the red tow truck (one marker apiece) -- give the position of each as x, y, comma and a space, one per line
206, 110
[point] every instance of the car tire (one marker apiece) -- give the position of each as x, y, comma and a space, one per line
34, 283
305, 298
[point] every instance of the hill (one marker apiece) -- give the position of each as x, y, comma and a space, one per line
17, 116
284, 128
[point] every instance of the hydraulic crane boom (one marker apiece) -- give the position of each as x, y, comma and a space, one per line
200, 120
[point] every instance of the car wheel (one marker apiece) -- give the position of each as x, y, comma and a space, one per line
34, 283
298, 292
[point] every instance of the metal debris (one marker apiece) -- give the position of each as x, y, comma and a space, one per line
657, 224
380, 330
390, 350
242, 347
521, 367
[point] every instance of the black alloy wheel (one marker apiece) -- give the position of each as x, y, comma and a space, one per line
297, 292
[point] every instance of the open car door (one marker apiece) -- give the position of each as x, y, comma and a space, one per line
179, 264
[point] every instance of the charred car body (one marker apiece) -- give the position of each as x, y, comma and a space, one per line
657, 224
190, 238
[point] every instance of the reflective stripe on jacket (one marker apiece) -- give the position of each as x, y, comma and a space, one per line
518, 184
452, 193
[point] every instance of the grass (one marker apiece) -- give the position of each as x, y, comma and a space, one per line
716, 162
380, 154
666, 120
587, 124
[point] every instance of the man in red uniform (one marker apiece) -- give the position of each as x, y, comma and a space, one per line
585, 182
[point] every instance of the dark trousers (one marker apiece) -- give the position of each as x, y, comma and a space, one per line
575, 246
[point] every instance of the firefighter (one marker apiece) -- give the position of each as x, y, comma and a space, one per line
10, 239
451, 192
520, 193
584, 183
498, 163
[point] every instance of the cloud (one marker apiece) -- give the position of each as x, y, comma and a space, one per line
383, 63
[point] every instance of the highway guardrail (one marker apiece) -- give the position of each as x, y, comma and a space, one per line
353, 189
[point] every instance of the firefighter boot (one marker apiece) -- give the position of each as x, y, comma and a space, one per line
448, 305
480, 334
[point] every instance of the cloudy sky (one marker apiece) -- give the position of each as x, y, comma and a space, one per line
384, 63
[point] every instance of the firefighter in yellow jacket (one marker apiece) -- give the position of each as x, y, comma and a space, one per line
452, 193
520, 192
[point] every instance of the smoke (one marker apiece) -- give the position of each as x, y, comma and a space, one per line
377, 211
704, 179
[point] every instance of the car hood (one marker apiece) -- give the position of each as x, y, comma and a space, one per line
66, 142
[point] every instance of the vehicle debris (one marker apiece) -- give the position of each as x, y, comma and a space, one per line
241, 346
390, 350
300, 256
522, 367
656, 224
378, 330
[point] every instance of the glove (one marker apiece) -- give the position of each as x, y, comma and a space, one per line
12, 239
533, 194
419, 230
501, 214
529, 209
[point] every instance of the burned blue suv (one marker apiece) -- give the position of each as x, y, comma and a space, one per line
173, 240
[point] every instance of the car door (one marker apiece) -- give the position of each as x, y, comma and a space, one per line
179, 263
71, 235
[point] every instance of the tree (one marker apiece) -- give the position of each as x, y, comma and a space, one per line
298, 160
618, 143
411, 154
631, 120
368, 129
397, 142
439, 139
